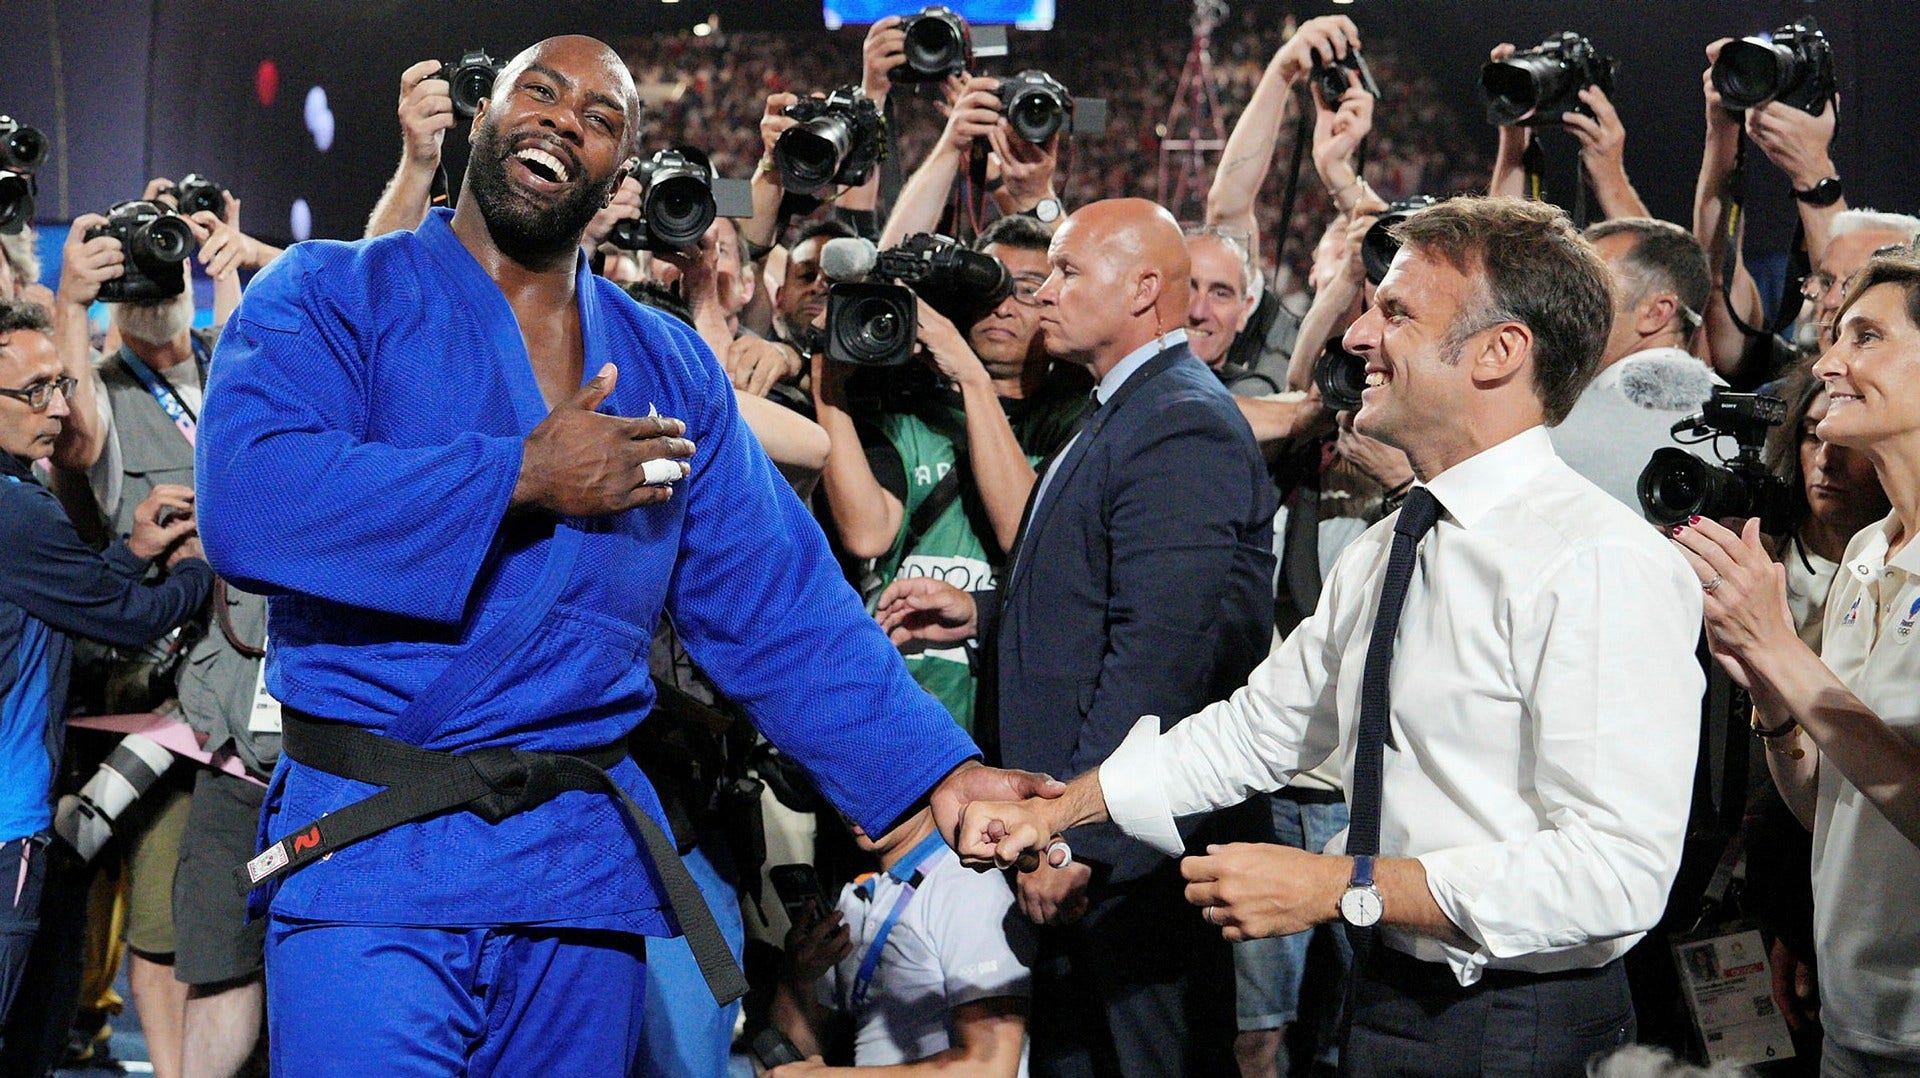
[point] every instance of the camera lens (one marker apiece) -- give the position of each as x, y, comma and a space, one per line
808, 156
934, 47
1341, 377
16, 202
870, 325
164, 239
678, 210
1676, 485
1035, 115
1750, 73
26, 147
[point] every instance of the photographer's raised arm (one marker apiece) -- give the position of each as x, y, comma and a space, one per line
1001, 471
1509, 168
1726, 344
426, 113
867, 515
1249, 151
85, 264
917, 208
1603, 141
1800, 144
757, 232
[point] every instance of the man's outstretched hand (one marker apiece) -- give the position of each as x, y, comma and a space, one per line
922, 608
974, 791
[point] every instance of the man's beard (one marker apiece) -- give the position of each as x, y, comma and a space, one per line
524, 232
155, 323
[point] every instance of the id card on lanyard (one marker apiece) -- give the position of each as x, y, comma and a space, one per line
163, 393
907, 871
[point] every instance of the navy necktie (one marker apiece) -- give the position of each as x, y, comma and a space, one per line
1417, 517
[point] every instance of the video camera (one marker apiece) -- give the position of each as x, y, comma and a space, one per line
1539, 86
1331, 79
22, 150
838, 139
940, 43
872, 323
156, 241
471, 78
676, 203
1793, 65
1379, 245
1676, 485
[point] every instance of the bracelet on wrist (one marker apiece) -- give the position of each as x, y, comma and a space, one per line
1769, 733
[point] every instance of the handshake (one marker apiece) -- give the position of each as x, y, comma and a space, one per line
998, 818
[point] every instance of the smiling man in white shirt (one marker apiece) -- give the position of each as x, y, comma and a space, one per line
1535, 742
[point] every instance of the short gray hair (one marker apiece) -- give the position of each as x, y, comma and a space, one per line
1871, 220
1250, 283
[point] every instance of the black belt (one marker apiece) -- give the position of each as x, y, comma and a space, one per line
493, 784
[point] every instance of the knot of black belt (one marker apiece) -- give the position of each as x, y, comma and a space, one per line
491, 783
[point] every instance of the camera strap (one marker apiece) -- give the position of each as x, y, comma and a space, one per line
1732, 223
1533, 163
163, 391
943, 494
1302, 134
910, 875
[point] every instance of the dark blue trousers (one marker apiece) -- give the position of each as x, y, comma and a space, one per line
23, 869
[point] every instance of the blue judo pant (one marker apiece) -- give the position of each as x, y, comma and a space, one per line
400, 1001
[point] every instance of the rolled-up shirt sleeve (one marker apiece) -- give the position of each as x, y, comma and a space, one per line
1604, 652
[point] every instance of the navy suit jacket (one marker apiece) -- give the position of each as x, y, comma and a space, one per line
1141, 585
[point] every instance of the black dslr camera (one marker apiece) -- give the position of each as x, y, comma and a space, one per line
1676, 485
838, 140
1341, 377
1793, 65
1331, 79
471, 78
1539, 86
1379, 245
676, 203
22, 150
872, 323
196, 193
938, 45
1035, 104
156, 241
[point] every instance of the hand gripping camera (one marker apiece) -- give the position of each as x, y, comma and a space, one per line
197, 194
872, 323
156, 241
1331, 79
1539, 86
471, 78
676, 203
22, 150
1793, 65
1676, 485
838, 140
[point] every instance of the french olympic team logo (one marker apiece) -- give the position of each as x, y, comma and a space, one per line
1906, 624
1853, 612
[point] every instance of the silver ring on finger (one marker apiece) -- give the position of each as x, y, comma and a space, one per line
1710, 585
1208, 912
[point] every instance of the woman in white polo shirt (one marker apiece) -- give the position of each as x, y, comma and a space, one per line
1842, 729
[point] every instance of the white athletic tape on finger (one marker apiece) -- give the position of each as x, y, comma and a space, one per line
659, 473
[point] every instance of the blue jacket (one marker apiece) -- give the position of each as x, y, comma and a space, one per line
1141, 585
55, 587
365, 417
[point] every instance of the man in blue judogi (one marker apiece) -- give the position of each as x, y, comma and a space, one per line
467, 550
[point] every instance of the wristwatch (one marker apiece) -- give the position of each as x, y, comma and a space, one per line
1360, 904
1825, 193
1046, 211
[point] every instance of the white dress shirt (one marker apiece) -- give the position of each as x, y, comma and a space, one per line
1545, 716
1866, 875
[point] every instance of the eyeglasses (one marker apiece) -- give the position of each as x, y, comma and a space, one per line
1026, 291
40, 394
1816, 286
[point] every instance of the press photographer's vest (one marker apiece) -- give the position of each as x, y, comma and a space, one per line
215, 682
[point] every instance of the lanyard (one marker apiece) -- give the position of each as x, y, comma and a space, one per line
162, 391
907, 872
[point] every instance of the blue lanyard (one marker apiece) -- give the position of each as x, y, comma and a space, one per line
163, 392
907, 872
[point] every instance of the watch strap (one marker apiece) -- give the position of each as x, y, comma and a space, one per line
1362, 871
1823, 193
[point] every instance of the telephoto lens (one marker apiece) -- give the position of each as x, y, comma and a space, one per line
838, 139
676, 203
471, 78
1541, 85
1792, 65
937, 45
85, 820
22, 148
156, 241
1035, 104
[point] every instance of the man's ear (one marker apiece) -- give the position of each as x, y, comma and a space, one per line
1507, 351
1658, 314
1147, 286
620, 175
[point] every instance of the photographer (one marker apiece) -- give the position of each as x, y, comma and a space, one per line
1265, 335
1839, 725
1648, 378
1799, 144
426, 115
1026, 169
1603, 141
57, 587
971, 445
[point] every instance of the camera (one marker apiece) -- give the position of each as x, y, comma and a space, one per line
838, 139
156, 241
872, 323
1035, 104
1341, 377
1676, 485
1379, 245
1793, 65
1539, 86
676, 203
22, 148
471, 78
85, 820
937, 45
1331, 79
196, 194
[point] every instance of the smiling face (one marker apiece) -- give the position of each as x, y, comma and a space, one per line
1219, 307
549, 145
1415, 379
1872, 373
27, 360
